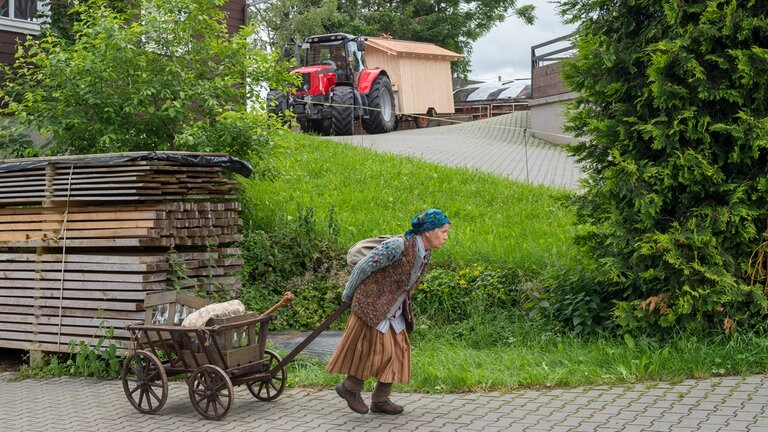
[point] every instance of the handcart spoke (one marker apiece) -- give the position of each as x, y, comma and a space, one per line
211, 392
272, 386
143, 372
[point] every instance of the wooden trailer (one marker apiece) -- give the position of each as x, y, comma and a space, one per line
420, 73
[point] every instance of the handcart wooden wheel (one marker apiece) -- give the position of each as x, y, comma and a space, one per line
143, 378
271, 389
211, 391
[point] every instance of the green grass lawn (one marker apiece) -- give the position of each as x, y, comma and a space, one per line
442, 365
495, 220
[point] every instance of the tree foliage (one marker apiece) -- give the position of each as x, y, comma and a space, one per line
451, 24
673, 109
149, 75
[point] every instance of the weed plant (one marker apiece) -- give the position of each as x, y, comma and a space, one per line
98, 361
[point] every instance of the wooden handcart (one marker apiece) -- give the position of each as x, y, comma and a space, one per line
226, 352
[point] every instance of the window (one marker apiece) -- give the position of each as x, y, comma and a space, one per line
22, 16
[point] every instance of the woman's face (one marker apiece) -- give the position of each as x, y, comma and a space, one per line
436, 238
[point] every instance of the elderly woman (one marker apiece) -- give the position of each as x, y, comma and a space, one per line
375, 342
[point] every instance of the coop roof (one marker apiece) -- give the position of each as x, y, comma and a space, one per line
412, 49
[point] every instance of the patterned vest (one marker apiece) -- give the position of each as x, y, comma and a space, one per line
379, 291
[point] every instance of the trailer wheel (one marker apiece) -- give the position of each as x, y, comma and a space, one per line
381, 107
322, 126
343, 111
145, 382
425, 121
277, 103
272, 389
421, 122
211, 392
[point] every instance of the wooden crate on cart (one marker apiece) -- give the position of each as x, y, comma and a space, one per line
239, 340
170, 307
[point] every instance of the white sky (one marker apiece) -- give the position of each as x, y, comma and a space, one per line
506, 50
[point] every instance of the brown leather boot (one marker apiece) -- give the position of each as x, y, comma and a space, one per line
354, 400
386, 407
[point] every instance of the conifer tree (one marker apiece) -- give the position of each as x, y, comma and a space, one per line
673, 114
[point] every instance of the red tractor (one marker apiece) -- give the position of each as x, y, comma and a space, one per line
337, 88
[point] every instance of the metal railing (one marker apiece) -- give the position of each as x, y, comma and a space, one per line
557, 47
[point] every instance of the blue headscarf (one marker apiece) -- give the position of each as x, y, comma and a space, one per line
427, 221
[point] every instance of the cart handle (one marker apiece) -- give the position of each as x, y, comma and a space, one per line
300, 347
286, 300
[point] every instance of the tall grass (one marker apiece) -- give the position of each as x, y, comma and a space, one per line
495, 221
441, 364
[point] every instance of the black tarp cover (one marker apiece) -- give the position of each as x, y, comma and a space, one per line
192, 159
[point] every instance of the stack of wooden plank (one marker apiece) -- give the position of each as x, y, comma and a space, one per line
178, 223
84, 239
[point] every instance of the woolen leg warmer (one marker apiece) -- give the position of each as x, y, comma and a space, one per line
353, 384
381, 392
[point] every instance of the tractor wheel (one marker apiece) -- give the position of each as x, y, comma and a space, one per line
343, 111
381, 107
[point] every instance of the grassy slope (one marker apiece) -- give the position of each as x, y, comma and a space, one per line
496, 221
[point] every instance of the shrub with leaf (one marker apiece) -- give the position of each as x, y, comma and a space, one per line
447, 296
295, 254
147, 75
672, 107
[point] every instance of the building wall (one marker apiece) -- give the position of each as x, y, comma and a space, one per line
547, 81
8, 46
236, 11
548, 97
426, 83
547, 118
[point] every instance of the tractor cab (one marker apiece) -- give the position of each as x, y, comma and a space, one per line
339, 51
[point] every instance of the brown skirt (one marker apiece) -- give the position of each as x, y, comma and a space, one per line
365, 352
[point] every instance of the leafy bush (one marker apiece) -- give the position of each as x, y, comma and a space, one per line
574, 298
447, 296
294, 255
175, 79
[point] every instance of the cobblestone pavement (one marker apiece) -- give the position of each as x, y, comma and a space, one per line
500, 145
81, 404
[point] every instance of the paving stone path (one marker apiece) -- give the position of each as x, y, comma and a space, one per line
79, 404
500, 145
